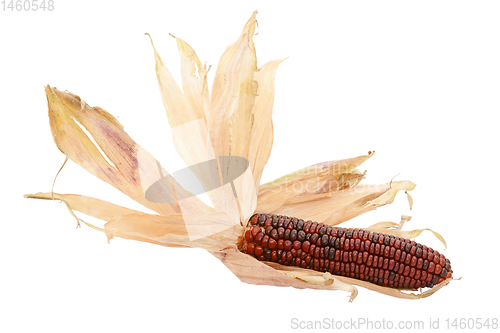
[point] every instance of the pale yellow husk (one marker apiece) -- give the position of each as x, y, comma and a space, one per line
235, 119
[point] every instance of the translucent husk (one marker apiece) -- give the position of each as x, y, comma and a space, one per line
234, 120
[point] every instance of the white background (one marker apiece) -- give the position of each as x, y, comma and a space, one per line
416, 81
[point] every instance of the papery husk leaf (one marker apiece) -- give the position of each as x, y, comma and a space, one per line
214, 231
392, 228
338, 206
190, 134
321, 178
410, 200
250, 270
194, 80
97, 208
124, 171
262, 128
369, 202
405, 294
233, 96
230, 120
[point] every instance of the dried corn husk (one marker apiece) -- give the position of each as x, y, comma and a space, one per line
235, 120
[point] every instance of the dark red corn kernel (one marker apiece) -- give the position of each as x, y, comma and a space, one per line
337, 243
424, 253
265, 241
314, 238
251, 248
268, 230
311, 249
272, 243
418, 274
259, 250
355, 234
431, 267
274, 234
377, 257
408, 259
305, 246
407, 247
331, 254
387, 251
436, 259
248, 236
324, 240
287, 234
281, 232
380, 261
302, 254
349, 233
275, 222
442, 262
300, 224
403, 256
258, 239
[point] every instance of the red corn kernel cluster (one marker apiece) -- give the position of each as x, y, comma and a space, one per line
379, 258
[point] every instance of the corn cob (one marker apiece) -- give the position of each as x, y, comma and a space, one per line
379, 258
